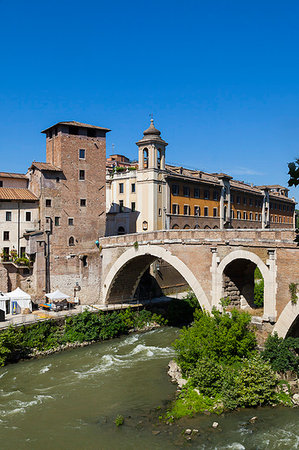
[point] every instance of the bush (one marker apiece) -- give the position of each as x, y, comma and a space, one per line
283, 354
10, 343
41, 336
207, 377
255, 383
259, 293
224, 338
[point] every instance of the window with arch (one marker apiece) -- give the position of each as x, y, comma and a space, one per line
145, 158
175, 227
120, 230
159, 158
71, 241
186, 227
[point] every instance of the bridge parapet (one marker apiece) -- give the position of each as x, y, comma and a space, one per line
257, 238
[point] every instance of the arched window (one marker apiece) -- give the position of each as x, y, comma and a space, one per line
71, 241
175, 227
215, 227
120, 230
225, 212
145, 158
196, 226
159, 159
207, 227
186, 227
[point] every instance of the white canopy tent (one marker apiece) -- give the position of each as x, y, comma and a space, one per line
57, 296
22, 299
4, 299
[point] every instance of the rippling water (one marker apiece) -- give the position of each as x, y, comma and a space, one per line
70, 401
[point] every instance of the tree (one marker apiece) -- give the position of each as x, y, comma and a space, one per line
294, 173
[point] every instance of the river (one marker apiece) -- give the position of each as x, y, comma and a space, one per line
70, 400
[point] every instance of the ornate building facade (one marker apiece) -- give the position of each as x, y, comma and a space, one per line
159, 196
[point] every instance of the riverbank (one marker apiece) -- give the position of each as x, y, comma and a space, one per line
62, 333
218, 367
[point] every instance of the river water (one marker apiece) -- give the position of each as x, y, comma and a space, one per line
70, 401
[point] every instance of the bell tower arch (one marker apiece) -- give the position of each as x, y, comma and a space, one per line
151, 180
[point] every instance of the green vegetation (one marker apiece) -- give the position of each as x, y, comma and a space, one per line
283, 354
218, 355
225, 338
19, 342
293, 292
258, 288
119, 420
181, 312
294, 173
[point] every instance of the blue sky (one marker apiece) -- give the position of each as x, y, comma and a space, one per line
220, 77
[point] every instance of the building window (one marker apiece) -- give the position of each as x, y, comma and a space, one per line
70, 221
81, 153
5, 235
245, 215
121, 188
71, 241
232, 214
133, 188
206, 195
175, 209
120, 230
145, 158
186, 191
1, 183
159, 159
57, 179
206, 211
28, 216
215, 195
81, 175
238, 200
175, 189
256, 203
121, 206
260, 217
232, 199
8, 216
160, 212
82, 201
215, 211
244, 201
160, 188
57, 221
186, 210
197, 211
196, 193
250, 202
238, 214
48, 203
133, 207
251, 216
23, 252
256, 216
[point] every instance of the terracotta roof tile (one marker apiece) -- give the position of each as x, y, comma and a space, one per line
45, 166
73, 123
12, 175
16, 194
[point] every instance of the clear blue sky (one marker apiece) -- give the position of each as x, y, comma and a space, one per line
220, 77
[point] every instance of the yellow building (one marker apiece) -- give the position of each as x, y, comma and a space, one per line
159, 196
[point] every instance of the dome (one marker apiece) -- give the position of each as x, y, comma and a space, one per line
152, 130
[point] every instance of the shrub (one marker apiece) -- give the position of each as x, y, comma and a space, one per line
208, 377
10, 343
259, 293
255, 383
42, 336
224, 338
119, 420
283, 354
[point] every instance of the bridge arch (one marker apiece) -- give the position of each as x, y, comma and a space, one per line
131, 265
286, 319
268, 276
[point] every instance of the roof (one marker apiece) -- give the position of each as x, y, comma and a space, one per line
12, 175
16, 194
152, 134
73, 123
18, 294
45, 166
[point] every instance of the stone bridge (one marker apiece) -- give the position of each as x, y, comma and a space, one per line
214, 263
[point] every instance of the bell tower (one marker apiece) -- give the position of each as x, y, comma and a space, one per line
151, 180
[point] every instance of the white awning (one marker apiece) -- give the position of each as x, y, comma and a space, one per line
18, 294
57, 295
